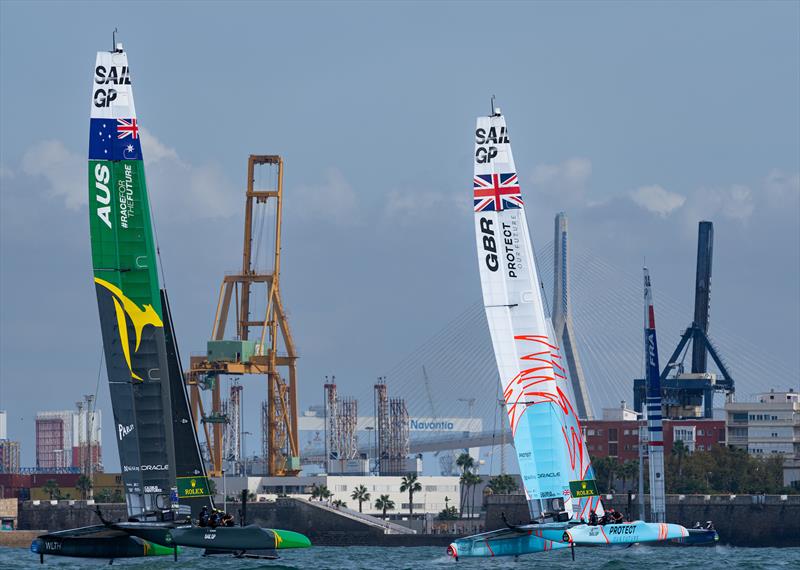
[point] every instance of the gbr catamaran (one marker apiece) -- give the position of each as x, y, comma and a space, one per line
549, 443
163, 473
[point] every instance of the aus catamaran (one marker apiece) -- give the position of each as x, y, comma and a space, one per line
163, 473
553, 457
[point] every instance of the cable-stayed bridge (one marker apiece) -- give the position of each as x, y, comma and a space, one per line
607, 314
607, 311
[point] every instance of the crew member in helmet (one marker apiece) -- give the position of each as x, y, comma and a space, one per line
203, 517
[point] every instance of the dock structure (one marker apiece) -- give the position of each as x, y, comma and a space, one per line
562, 318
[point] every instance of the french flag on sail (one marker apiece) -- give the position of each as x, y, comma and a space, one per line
114, 139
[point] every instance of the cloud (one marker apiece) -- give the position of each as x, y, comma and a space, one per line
6, 172
155, 151
566, 180
734, 202
657, 200
407, 206
334, 201
782, 190
64, 170
185, 190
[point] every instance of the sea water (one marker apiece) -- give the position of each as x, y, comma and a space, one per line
368, 558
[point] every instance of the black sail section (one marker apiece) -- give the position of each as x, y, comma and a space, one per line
143, 436
192, 481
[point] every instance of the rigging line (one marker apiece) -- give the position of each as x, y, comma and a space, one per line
427, 352
432, 343
155, 232
452, 350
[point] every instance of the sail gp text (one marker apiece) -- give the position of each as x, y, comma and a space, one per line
486, 141
505, 245
105, 96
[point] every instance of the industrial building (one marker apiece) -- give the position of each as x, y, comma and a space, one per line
431, 499
9, 456
9, 450
66, 439
767, 426
617, 434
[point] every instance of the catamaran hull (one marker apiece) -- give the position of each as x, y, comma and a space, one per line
95, 542
504, 542
238, 539
698, 537
623, 533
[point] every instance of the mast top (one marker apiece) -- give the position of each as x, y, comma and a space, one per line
116, 47
495, 110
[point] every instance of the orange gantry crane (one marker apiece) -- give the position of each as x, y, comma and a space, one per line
254, 351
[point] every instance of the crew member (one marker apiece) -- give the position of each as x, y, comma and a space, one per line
617, 517
213, 520
593, 518
203, 517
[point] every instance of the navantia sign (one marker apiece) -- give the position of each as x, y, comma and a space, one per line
586, 488
189, 487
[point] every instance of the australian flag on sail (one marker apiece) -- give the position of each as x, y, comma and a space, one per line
496, 192
114, 139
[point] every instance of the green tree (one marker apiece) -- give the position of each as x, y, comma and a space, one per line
117, 497
384, 503
84, 485
361, 495
448, 514
339, 503
52, 489
103, 496
411, 485
502, 484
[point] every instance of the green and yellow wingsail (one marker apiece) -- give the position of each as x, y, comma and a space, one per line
126, 281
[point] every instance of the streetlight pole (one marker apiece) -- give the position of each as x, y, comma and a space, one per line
224, 493
370, 429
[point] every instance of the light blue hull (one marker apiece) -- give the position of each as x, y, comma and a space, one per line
624, 533
507, 542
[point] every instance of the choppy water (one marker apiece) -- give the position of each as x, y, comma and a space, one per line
367, 558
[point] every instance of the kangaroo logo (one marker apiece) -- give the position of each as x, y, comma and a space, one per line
139, 317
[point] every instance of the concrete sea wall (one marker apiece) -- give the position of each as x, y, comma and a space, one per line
744, 520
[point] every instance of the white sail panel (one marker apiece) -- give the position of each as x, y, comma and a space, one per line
112, 97
547, 434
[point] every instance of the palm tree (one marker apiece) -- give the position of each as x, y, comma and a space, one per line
361, 495
84, 485
614, 468
320, 492
680, 451
629, 471
339, 503
52, 489
411, 485
463, 487
466, 463
475, 480
384, 503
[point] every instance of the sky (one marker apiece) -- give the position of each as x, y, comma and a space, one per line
637, 119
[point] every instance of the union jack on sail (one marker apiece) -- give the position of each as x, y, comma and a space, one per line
496, 192
127, 127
